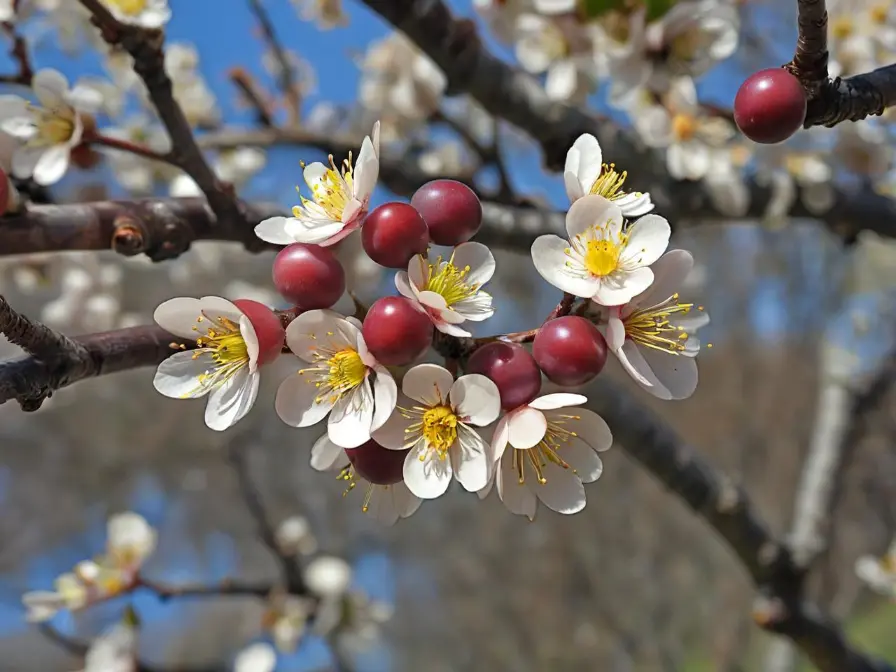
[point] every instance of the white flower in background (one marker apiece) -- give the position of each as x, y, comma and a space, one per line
684, 129
385, 503
135, 173
687, 41
69, 593
436, 420
71, 22
259, 657
879, 574
326, 14
328, 576
586, 173
543, 46
341, 200
450, 291
130, 540
183, 186
119, 65
603, 260
784, 169
863, 149
501, 16
446, 158
286, 619
294, 536
653, 334
143, 13
224, 365
399, 84
115, 650
303, 74
725, 182
240, 165
351, 621
862, 36
48, 132
546, 450
7, 11
344, 380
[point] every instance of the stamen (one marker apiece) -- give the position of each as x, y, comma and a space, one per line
655, 327
449, 281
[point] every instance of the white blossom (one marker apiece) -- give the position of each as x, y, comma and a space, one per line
543, 46
602, 260
545, 450
340, 202
879, 574
344, 381
142, 13
436, 419
326, 14
114, 651
259, 657
586, 173
449, 291
653, 334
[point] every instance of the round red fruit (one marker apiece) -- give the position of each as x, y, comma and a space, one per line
396, 331
511, 368
770, 106
451, 210
570, 350
393, 233
378, 465
268, 329
308, 276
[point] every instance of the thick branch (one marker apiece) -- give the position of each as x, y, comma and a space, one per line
810, 60
853, 98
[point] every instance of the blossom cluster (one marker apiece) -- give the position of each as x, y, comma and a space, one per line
404, 430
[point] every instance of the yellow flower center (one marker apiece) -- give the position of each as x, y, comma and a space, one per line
439, 428
336, 372
686, 45
130, 7
879, 13
449, 281
602, 257
54, 127
547, 451
842, 27
684, 126
653, 327
332, 192
888, 563
224, 342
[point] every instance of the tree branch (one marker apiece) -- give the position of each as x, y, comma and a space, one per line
287, 78
810, 60
853, 98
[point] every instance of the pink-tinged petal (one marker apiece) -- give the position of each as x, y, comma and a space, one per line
436, 304
229, 403
428, 384
470, 460
480, 260
588, 427
677, 374
637, 367
669, 274
349, 422
475, 399
517, 497
274, 230
583, 459
297, 401
583, 165
418, 270
549, 258
590, 211
557, 400
500, 438
450, 329
615, 334
356, 212
178, 316
393, 434
403, 285
426, 476
178, 376
616, 294
648, 239
562, 490
321, 234
247, 331
317, 329
385, 396
327, 456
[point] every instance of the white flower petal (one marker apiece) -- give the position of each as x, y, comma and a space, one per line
470, 459
20, 128
403, 285
648, 239
274, 230
260, 657
637, 367
584, 460
392, 434
613, 294
517, 497
306, 334
178, 376
297, 402
678, 374
669, 274
584, 161
480, 260
557, 400
229, 402
500, 438
24, 161
590, 428
562, 490
425, 476
326, 455
349, 422
428, 384
475, 399
590, 211
50, 87
549, 258
526, 427
385, 393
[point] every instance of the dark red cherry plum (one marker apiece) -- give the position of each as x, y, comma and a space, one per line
451, 210
770, 106
393, 233
396, 331
308, 276
570, 350
511, 368
268, 328
378, 465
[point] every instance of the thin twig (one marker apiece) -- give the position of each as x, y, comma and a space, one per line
251, 90
287, 76
127, 146
20, 55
